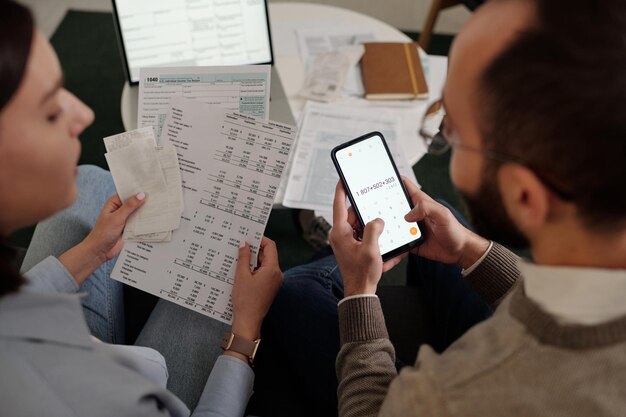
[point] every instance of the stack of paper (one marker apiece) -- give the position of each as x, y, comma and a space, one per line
231, 162
231, 166
325, 80
311, 178
316, 42
137, 164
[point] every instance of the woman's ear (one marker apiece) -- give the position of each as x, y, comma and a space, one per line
525, 198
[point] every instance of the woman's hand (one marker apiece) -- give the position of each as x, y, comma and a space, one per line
254, 291
104, 241
359, 260
447, 240
105, 238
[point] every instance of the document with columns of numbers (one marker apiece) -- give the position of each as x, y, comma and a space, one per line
231, 166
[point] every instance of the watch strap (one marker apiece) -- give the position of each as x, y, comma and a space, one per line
236, 343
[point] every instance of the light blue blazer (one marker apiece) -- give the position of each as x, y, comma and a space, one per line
51, 366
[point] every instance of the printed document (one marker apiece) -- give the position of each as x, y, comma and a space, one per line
243, 89
312, 175
137, 165
321, 40
231, 165
326, 78
316, 41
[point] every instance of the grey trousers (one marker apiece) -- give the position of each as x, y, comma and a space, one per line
188, 340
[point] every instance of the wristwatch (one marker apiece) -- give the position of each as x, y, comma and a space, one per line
236, 343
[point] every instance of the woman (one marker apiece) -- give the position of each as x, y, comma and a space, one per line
51, 365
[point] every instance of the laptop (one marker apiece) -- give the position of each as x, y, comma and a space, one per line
173, 33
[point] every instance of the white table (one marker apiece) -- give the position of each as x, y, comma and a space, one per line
285, 19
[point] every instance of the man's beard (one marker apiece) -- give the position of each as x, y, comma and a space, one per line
488, 214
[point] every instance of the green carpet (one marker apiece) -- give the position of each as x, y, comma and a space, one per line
87, 48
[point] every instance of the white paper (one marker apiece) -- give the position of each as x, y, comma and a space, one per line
138, 166
282, 187
328, 74
244, 89
164, 214
122, 140
285, 33
312, 176
436, 71
136, 169
322, 40
129, 236
231, 166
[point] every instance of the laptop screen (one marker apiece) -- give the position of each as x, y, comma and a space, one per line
177, 33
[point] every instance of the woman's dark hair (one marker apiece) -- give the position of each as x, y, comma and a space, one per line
10, 278
16, 36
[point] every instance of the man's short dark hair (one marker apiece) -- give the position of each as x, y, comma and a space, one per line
556, 99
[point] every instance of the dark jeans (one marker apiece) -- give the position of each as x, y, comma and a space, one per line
295, 368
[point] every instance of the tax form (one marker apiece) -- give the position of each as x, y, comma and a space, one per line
231, 165
244, 89
312, 175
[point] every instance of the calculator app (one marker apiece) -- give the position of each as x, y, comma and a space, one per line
377, 191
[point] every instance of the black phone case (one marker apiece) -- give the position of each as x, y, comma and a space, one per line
401, 249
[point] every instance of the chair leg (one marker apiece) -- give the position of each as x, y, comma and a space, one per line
433, 13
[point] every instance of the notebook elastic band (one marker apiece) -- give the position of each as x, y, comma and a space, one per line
411, 69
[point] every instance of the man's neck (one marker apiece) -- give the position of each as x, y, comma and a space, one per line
576, 246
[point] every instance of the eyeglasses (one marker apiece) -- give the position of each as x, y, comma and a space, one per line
437, 143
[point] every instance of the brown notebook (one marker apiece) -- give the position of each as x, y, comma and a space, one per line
393, 71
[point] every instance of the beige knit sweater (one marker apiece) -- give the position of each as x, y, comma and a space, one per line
521, 362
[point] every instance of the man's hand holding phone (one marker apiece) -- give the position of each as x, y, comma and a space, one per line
359, 260
447, 240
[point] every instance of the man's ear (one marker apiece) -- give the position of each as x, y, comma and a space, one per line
525, 198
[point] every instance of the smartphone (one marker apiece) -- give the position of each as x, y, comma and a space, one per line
375, 189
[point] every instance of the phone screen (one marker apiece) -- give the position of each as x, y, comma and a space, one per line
375, 189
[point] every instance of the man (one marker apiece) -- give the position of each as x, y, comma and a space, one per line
536, 117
